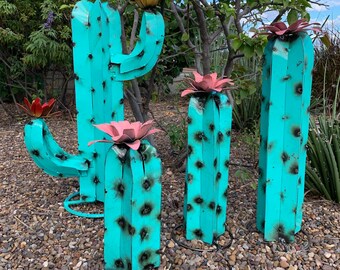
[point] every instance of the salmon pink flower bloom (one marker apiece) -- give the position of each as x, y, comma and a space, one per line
126, 133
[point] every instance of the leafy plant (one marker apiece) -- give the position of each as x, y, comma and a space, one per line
178, 135
323, 168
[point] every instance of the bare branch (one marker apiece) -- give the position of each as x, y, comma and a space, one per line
134, 29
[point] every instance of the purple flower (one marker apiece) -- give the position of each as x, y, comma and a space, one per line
49, 21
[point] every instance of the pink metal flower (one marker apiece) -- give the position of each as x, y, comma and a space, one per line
279, 29
206, 83
36, 109
124, 132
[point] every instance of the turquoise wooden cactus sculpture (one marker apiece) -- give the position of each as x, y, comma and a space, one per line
132, 203
206, 183
100, 69
286, 93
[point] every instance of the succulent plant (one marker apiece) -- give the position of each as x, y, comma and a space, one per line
281, 31
126, 133
36, 109
205, 84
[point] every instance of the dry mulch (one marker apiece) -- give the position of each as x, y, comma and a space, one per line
37, 233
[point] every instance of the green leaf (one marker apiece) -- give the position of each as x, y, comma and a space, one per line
248, 51
236, 44
185, 37
292, 16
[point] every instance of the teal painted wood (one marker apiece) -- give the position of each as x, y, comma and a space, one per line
96, 35
209, 125
132, 209
284, 132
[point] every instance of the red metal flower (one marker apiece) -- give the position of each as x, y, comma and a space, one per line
124, 132
279, 29
206, 83
36, 109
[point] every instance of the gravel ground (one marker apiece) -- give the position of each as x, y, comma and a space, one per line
37, 233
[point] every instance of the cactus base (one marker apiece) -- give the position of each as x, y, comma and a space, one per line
69, 202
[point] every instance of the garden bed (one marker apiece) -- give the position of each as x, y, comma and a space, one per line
36, 232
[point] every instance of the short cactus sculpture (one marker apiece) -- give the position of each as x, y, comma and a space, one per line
132, 203
100, 70
209, 127
286, 93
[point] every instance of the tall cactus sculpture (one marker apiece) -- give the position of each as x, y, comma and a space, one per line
206, 183
100, 69
286, 93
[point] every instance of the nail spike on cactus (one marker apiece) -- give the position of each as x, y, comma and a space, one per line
132, 198
209, 128
100, 69
286, 91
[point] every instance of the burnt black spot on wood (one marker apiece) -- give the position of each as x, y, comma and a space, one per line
73, 44
282, 196
159, 216
87, 162
103, 50
95, 155
215, 162
44, 132
144, 233
270, 146
99, 18
92, 120
113, 114
198, 233
96, 180
218, 209
61, 157
88, 24
294, 168
83, 197
198, 200
105, 190
225, 194
190, 150
264, 187
218, 176
284, 157
60, 175
30, 123
189, 207
144, 256
269, 71
274, 49
129, 265
263, 99
90, 56
100, 34
76, 77
121, 223
119, 188
141, 53
148, 30
107, 20
268, 104
149, 266
200, 136
228, 133
294, 210
227, 163
212, 127
212, 205
189, 120
93, 90
299, 181
104, 84
131, 229
199, 164
262, 224
121, 101
147, 184
286, 78
190, 177
157, 42
119, 263
146, 209
298, 89
220, 137
296, 131
35, 152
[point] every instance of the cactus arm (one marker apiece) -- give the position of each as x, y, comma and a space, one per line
194, 164
291, 139
306, 97
275, 108
225, 120
266, 80
48, 155
145, 55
